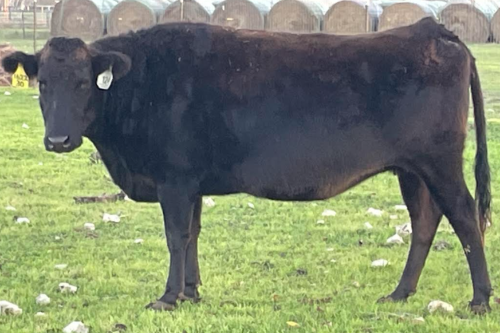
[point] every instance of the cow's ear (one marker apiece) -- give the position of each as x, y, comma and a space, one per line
118, 62
29, 62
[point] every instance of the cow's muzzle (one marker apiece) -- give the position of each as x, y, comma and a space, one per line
59, 144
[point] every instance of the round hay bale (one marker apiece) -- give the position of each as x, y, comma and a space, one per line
398, 14
241, 14
469, 21
350, 17
84, 19
188, 11
132, 15
296, 16
495, 26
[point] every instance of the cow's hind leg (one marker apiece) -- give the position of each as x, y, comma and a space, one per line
425, 217
192, 268
446, 183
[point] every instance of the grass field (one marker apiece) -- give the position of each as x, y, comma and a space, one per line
261, 267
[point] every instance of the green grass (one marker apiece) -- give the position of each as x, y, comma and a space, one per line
15, 37
249, 257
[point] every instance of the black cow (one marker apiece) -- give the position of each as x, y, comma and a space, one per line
195, 109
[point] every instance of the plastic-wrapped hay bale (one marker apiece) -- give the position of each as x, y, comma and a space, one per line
350, 17
132, 15
398, 14
241, 14
470, 21
297, 15
188, 11
80, 18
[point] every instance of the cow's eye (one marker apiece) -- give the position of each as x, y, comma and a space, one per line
42, 86
83, 85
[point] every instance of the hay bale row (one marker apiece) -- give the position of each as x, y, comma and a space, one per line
472, 21
90, 19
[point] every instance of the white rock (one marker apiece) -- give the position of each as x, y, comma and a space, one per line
329, 212
400, 207
396, 239
10, 208
67, 288
42, 299
368, 225
330, 249
439, 305
40, 163
7, 93
251, 205
320, 222
25, 126
60, 266
76, 327
57, 238
418, 320
8, 308
89, 226
139, 241
127, 198
333, 261
380, 263
393, 217
21, 220
36, 97
110, 218
40, 314
356, 284
374, 212
209, 202
404, 229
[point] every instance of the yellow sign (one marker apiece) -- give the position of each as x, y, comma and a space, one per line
19, 78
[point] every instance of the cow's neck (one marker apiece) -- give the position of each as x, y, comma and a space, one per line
110, 141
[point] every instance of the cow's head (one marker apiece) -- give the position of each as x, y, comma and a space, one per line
68, 72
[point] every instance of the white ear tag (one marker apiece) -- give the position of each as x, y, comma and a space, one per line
104, 79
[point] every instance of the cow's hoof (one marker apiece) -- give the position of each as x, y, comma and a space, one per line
385, 299
392, 298
191, 294
160, 306
480, 309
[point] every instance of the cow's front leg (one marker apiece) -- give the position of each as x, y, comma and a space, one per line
177, 201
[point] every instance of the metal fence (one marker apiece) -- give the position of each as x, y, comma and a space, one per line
473, 21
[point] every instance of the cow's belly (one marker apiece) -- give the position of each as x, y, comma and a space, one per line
305, 168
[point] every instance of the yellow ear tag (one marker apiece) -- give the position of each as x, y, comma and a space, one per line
19, 78
105, 78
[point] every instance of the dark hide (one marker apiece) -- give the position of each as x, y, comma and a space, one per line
207, 110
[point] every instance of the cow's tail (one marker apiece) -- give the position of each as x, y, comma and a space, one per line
482, 168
